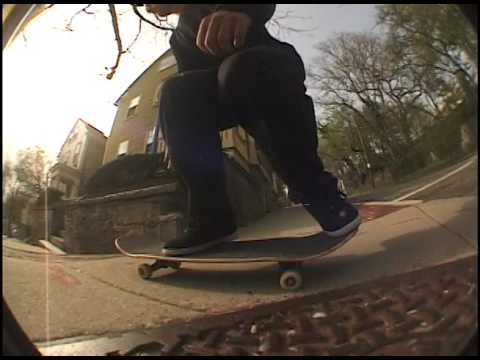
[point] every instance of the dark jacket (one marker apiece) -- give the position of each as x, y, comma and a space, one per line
183, 40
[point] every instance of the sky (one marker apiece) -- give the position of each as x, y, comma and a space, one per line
52, 77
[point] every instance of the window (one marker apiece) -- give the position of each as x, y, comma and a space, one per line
150, 136
149, 146
66, 157
131, 111
73, 136
156, 96
123, 148
132, 108
76, 155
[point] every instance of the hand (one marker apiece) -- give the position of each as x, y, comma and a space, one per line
164, 9
222, 32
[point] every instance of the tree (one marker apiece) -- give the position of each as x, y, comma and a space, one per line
23, 181
278, 27
439, 38
14, 201
340, 146
31, 170
357, 74
394, 88
438, 33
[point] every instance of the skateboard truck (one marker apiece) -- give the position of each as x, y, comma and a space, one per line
146, 271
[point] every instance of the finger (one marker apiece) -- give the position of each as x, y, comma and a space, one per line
202, 33
211, 40
240, 34
225, 37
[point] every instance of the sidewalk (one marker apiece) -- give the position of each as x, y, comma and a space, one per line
14, 244
57, 298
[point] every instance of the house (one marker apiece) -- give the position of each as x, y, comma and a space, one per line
134, 128
136, 117
79, 157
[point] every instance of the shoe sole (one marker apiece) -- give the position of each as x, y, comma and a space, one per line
198, 248
345, 230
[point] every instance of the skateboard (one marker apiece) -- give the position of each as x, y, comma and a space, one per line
288, 252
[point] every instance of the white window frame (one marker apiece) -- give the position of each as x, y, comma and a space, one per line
76, 154
133, 103
150, 136
122, 148
156, 96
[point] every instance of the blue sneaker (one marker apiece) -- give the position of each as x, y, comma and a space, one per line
338, 218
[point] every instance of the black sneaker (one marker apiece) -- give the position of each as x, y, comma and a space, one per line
195, 240
338, 218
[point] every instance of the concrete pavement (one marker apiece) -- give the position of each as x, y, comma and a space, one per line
60, 297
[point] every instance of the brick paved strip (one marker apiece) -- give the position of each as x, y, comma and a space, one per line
426, 312
370, 212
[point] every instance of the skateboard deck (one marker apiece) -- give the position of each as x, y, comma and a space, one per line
288, 252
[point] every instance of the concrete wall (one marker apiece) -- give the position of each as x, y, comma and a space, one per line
92, 225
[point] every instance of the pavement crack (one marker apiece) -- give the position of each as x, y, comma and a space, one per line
135, 293
463, 238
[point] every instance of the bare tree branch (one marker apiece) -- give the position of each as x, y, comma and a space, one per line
278, 27
136, 37
68, 27
118, 39
135, 10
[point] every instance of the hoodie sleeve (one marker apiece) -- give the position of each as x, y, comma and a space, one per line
259, 13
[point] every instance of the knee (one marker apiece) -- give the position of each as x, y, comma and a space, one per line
242, 73
260, 72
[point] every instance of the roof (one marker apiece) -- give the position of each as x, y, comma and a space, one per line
165, 54
93, 127
74, 126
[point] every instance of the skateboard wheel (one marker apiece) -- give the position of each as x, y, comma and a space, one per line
291, 280
145, 271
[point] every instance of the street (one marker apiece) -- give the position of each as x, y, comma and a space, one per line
463, 183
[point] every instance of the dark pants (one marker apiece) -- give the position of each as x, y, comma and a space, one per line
262, 89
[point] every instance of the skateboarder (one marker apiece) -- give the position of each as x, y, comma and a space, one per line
233, 72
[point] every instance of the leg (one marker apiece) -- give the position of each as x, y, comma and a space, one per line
278, 114
189, 114
264, 87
